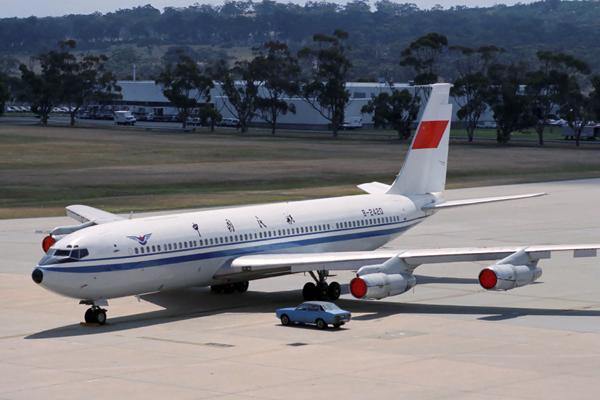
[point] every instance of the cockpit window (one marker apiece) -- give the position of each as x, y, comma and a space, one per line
64, 256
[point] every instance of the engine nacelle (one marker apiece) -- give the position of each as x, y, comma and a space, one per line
380, 285
507, 276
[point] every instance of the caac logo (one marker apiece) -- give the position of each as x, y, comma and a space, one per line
141, 239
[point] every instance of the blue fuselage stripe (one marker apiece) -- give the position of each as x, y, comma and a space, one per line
202, 254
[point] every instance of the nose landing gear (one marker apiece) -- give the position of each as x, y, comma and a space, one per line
321, 290
95, 314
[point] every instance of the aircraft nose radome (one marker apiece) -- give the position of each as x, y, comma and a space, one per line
37, 275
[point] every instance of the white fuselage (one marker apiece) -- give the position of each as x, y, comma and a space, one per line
152, 254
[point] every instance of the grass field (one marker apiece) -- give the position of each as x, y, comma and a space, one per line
44, 169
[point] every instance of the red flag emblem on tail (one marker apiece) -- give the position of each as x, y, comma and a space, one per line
429, 134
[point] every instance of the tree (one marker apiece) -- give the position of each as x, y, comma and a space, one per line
241, 94
506, 100
328, 65
87, 81
548, 86
470, 89
399, 110
578, 109
279, 73
4, 93
47, 89
421, 57
209, 116
184, 85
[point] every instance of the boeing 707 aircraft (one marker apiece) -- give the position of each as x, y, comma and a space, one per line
108, 256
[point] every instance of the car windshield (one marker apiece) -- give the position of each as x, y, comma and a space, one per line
330, 306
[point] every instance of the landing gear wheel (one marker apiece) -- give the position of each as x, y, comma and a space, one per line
100, 316
89, 316
321, 324
334, 291
322, 291
217, 288
309, 292
285, 320
241, 286
229, 288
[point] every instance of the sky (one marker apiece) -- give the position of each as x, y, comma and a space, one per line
45, 8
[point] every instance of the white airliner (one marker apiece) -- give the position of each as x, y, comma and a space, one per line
109, 256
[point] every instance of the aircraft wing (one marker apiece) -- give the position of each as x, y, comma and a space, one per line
264, 265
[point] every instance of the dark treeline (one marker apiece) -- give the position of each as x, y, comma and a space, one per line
377, 34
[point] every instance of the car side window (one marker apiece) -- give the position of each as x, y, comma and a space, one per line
313, 307
302, 307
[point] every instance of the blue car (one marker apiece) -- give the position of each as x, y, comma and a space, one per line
320, 313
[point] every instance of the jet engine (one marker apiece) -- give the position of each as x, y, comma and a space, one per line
518, 269
507, 276
379, 286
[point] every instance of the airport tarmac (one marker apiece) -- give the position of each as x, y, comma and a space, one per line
446, 339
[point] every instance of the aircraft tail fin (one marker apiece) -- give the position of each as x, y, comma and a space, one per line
424, 169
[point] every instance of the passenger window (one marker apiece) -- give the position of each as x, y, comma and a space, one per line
230, 239
221, 239
236, 238
211, 240
328, 226
345, 224
289, 232
136, 250
225, 239
301, 229
269, 233
158, 247
279, 232
337, 226
245, 236
142, 250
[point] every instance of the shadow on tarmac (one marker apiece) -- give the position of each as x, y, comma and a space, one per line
201, 302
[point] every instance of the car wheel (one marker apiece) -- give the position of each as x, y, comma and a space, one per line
285, 320
321, 324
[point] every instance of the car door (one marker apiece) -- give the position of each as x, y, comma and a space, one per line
312, 314
299, 314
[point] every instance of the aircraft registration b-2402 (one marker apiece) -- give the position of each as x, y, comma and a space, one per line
108, 256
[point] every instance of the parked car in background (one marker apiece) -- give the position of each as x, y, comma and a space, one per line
320, 313
351, 123
193, 121
230, 122
124, 118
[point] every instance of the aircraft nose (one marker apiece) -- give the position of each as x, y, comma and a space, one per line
37, 275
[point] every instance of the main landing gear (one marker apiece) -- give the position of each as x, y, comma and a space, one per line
95, 314
321, 290
231, 287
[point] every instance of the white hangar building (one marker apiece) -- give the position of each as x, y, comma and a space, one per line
144, 97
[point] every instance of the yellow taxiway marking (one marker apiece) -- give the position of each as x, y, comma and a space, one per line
93, 324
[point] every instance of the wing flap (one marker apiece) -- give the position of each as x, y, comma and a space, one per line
256, 266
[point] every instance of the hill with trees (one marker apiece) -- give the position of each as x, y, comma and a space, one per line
377, 35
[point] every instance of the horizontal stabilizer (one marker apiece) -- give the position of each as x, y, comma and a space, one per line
86, 214
460, 203
374, 187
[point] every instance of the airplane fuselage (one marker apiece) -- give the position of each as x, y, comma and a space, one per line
160, 253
